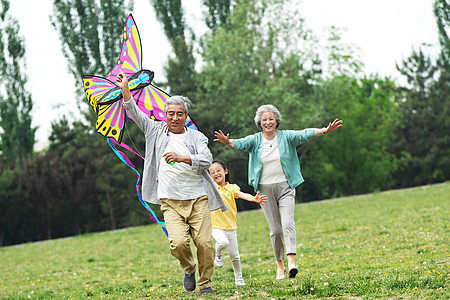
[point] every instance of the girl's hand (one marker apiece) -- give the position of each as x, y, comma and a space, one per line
261, 199
221, 137
332, 126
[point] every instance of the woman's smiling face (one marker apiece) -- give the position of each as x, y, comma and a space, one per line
268, 122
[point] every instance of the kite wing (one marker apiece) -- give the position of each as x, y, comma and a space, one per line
130, 59
96, 89
110, 114
111, 121
151, 101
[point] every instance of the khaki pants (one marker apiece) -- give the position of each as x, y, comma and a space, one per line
186, 219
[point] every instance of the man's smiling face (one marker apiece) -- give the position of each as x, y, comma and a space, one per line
176, 118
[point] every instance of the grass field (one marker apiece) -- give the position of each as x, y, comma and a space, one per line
384, 245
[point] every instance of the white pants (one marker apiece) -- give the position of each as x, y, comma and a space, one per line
228, 239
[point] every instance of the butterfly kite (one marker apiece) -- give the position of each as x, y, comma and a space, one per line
106, 99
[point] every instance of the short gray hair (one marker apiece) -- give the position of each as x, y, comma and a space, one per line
178, 100
264, 108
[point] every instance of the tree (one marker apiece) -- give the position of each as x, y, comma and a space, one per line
441, 9
17, 136
90, 33
42, 196
97, 182
355, 159
218, 13
248, 63
441, 89
180, 70
424, 107
342, 59
9, 185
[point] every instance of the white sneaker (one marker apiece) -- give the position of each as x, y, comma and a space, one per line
218, 261
282, 276
239, 282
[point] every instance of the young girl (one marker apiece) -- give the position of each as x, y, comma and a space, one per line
224, 224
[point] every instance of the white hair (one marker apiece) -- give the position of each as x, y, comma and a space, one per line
264, 108
178, 100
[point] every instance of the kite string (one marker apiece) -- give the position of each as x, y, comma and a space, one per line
127, 161
134, 146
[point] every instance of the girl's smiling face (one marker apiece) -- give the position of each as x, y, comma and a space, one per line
218, 173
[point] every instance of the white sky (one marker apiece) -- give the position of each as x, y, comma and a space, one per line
385, 31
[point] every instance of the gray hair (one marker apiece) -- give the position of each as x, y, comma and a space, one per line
178, 100
264, 108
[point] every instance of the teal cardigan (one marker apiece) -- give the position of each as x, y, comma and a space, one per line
287, 141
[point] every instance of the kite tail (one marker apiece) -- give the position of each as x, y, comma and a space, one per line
127, 161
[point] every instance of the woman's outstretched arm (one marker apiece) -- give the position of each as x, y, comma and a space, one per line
224, 139
332, 126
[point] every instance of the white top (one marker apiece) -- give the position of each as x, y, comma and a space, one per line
272, 171
178, 181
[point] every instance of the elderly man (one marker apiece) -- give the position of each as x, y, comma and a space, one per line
176, 177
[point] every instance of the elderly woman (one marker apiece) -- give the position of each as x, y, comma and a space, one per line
274, 170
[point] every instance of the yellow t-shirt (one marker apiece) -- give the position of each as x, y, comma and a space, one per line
226, 220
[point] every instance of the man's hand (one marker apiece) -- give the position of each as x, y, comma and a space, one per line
172, 157
122, 82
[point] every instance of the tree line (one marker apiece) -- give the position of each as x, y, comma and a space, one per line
255, 52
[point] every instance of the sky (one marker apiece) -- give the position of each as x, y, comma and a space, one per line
383, 31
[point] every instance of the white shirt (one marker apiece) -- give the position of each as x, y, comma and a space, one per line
272, 171
178, 181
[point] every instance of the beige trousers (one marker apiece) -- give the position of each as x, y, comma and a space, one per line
279, 212
186, 219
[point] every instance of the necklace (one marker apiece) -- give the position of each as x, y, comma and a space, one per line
271, 142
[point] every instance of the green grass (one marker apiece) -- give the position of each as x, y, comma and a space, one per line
384, 245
